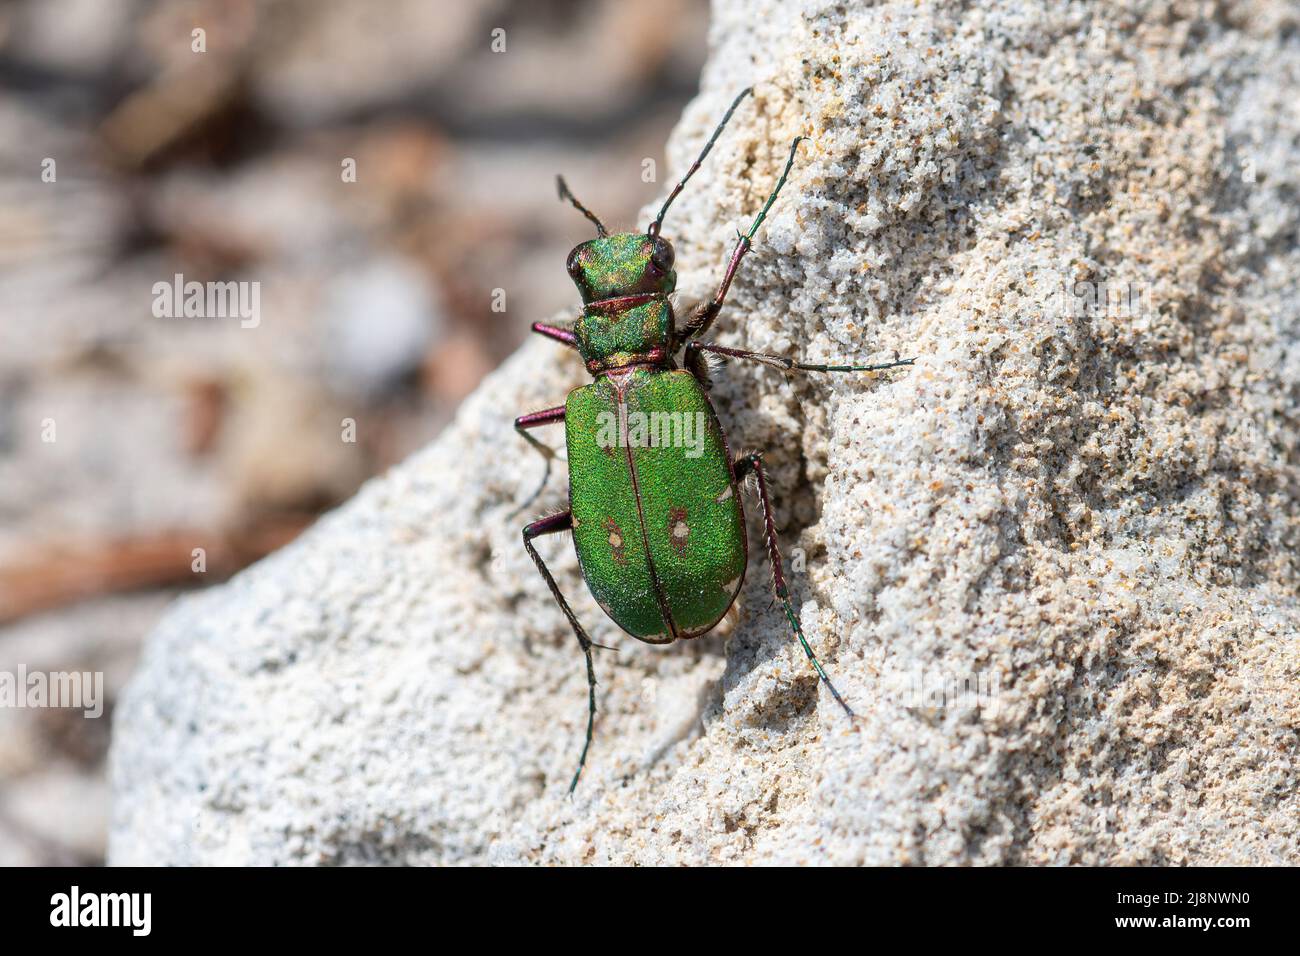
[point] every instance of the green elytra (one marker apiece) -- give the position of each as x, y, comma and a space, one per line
654, 495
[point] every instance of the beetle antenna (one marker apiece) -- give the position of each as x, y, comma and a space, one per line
659, 219
785, 174
563, 189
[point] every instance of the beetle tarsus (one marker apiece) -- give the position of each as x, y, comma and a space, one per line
556, 523
753, 464
695, 349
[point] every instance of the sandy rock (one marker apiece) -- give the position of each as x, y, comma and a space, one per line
1053, 566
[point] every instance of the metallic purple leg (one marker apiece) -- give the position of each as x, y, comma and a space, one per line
743, 467
780, 361
554, 525
704, 315
563, 336
532, 420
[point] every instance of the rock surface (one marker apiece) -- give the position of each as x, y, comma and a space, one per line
1054, 566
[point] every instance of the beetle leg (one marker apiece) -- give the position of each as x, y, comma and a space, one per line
553, 525
554, 332
533, 420
697, 365
754, 463
783, 363
704, 314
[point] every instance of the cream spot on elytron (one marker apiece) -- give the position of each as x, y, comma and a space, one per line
678, 530
616, 541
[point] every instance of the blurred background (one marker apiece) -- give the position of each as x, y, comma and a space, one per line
383, 171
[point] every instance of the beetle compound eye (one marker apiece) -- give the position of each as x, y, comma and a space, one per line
662, 256
573, 266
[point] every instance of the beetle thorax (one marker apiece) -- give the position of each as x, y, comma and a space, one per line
636, 335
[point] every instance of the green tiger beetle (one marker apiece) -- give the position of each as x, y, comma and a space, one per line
659, 528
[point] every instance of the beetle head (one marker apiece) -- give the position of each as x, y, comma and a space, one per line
628, 263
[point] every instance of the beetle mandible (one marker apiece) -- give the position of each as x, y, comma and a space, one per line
658, 527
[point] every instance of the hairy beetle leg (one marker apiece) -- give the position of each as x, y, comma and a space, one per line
556, 334
533, 420
554, 525
694, 349
705, 314
753, 464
